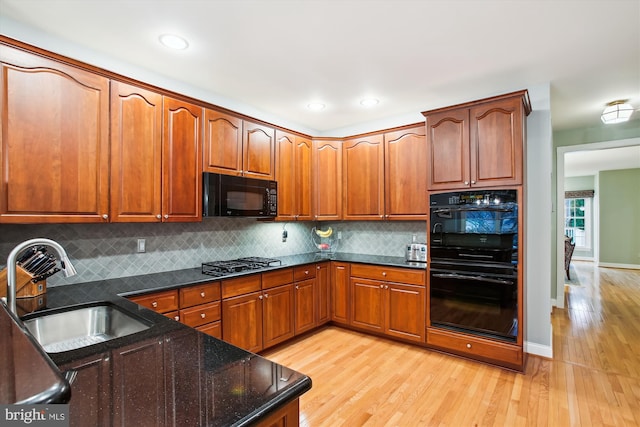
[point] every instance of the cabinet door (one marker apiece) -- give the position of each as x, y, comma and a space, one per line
242, 321
323, 303
327, 180
135, 400
181, 162
54, 143
183, 376
286, 175
278, 324
304, 179
497, 143
136, 151
340, 295
90, 403
258, 151
222, 143
363, 174
405, 308
405, 154
367, 304
305, 293
448, 150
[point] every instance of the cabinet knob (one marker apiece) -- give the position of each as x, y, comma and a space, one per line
317, 267
306, 272
381, 216
202, 294
468, 345
381, 286
260, 297
466, 183
297, 287
386, 286
159, 216
266, 295
154, 304
176, 318
203, 315
105, 216
473, 182
384, 273
166, 216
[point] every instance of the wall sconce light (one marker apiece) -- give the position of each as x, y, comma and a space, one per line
617, 112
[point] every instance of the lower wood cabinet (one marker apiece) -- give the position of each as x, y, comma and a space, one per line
242, 324
394, 309
287, 416
278, 308
305, 305
340, 293
323, 282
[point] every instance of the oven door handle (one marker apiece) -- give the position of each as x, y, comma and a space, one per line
475, 278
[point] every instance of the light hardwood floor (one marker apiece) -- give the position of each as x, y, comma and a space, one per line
593, 380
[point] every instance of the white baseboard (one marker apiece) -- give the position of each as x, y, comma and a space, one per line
614, 265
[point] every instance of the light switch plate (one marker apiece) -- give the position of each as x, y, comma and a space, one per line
142, 245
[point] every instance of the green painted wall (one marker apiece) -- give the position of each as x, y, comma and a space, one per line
619, 192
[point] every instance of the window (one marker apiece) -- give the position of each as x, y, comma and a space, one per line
577, 221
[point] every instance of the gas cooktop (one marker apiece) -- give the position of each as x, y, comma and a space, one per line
224, 268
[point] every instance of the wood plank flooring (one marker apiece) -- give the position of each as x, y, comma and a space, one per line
593, 380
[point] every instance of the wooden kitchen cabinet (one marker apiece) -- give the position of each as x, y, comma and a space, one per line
363, 178
306, 296
258, 151
340, 292
389, 300
242, 321
90, 403
278, 320
135, 400
54, 145
293, 173
477, 144
405, 183
327, 180
323, 283
222, 143
162, 302
155, 162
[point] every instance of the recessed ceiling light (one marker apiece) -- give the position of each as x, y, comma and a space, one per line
173, 41
315, 106
369, 102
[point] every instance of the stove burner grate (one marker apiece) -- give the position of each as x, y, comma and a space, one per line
223, 268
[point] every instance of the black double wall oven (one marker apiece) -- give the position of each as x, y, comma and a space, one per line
474, 262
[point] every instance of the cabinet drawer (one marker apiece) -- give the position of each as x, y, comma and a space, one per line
488, 350
389, 274
304, 272
214, 329
201, 314
175, 315
277, 278
161, 302
194, 295
240, 286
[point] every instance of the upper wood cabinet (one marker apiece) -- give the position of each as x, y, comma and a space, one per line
258, 151
478, 144
327, 180
222, 143
155, 157
181, 165
405, 183
54, 146
363, 178
293, 173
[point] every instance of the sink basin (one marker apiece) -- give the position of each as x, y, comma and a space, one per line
82, 327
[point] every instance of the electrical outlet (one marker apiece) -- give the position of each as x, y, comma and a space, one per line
284, 235
339, 235
142, 245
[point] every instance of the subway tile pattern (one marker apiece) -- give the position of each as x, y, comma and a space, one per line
106, 251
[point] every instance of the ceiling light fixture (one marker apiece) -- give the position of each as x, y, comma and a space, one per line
315, 106
369, 102
174, 42
617, 112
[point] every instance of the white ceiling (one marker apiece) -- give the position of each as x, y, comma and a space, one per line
276, 56
585, 163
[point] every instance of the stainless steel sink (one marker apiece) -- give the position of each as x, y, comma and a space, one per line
81, 327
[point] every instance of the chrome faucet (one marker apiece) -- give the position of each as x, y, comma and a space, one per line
66, 265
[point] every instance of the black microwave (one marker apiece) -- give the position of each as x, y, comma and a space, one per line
226, 195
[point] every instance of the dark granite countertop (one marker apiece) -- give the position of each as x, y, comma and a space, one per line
224, 384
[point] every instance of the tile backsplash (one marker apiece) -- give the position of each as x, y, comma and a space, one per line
104, 251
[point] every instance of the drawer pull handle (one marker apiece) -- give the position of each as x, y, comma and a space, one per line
154, 304
177, 318
381, 286
203, 315
384, 273
468, 345
306, 272
202, 294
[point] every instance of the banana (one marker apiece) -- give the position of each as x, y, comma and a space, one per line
327, 233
